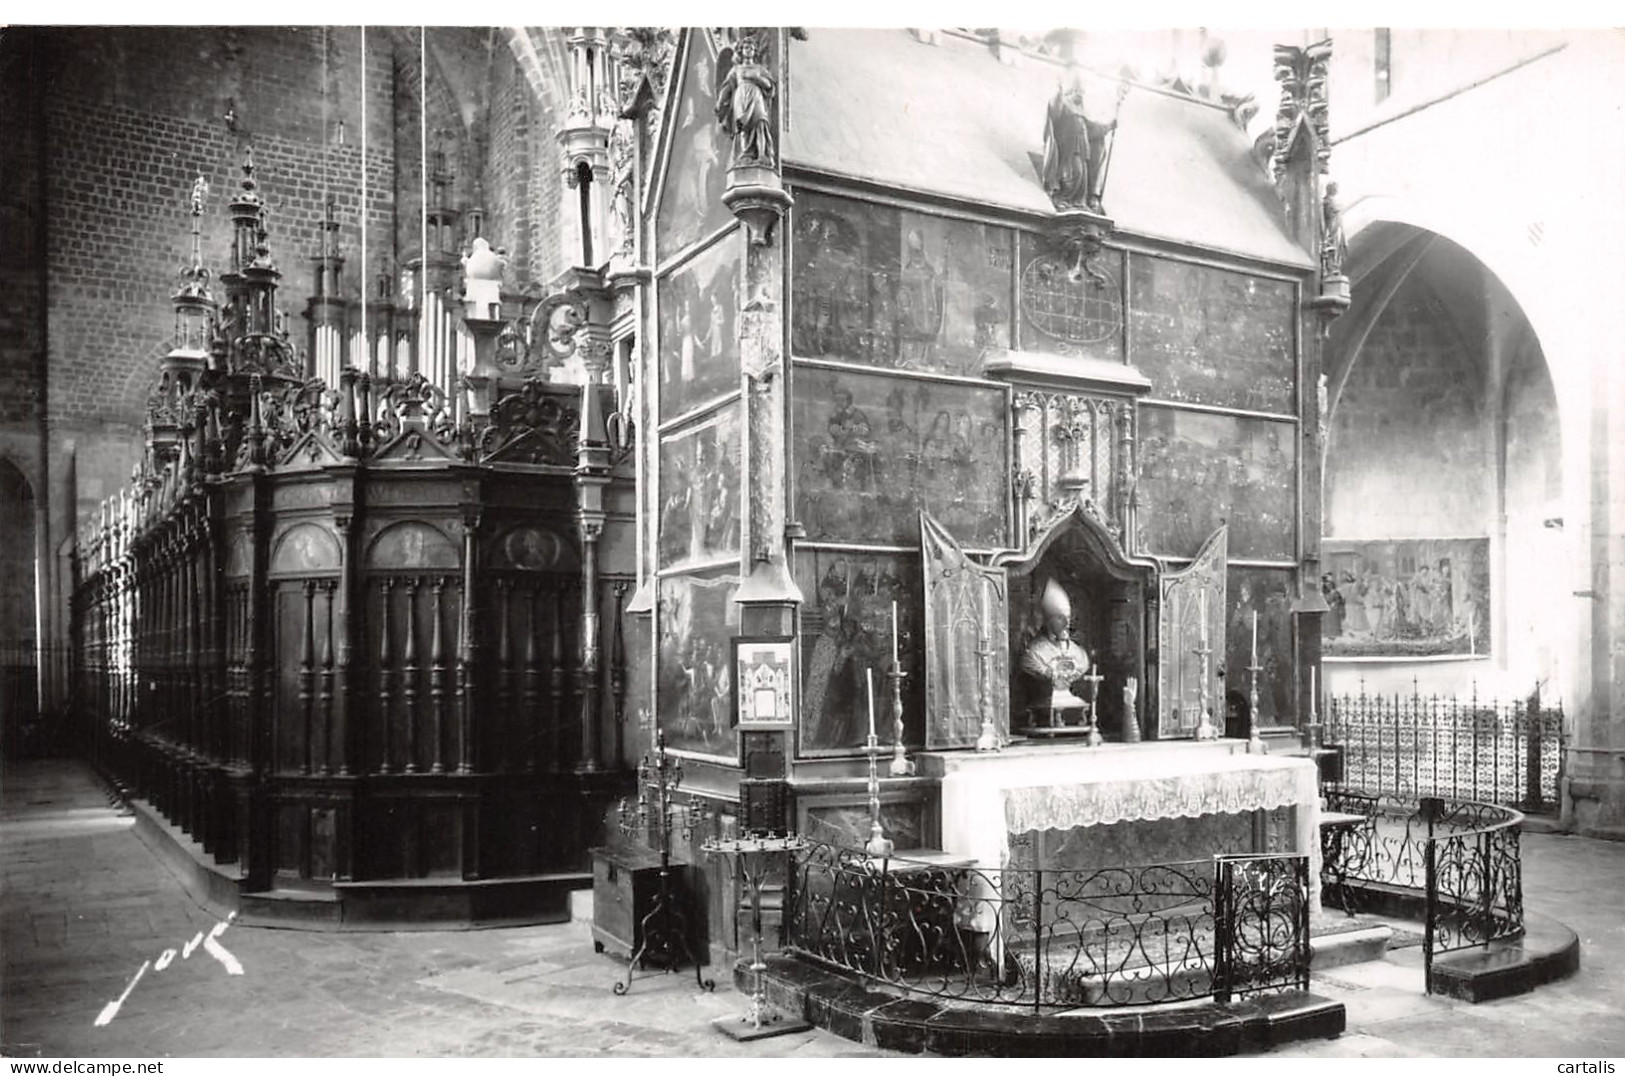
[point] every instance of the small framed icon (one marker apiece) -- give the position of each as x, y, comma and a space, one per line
764, 678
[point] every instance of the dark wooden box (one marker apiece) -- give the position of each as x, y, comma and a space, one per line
625, 885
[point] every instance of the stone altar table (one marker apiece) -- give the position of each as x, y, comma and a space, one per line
986, 798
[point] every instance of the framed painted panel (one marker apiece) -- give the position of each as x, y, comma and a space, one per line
764, 680
694, 697
1199, 469
1406, 597
846, 632
865, 470
1267, 592
691, 200
1213, 336
700, 490
699, 335
885, 286
1068, 313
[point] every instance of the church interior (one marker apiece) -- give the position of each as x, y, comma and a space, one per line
1035, 526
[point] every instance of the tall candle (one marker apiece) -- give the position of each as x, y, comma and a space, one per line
1255, 636
869, 681
1312, 695
894, 636
1203, 618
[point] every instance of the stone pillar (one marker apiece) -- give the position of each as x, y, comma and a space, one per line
768, 596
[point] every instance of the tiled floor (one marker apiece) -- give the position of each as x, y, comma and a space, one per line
84, 906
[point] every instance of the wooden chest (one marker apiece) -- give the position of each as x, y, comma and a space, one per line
625, 886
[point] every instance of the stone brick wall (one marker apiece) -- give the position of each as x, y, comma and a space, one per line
22, 295
1408, 454
126, 142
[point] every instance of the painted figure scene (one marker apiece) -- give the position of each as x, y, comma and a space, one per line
906, 291
846, 641
699, 491
694, 666
866, 468
1407, 598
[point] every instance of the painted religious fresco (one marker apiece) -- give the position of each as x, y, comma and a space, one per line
699, 335
846, 635
1267, 592
700, 490
691, 201
889, 287
1068, 311
1213, 336
696, 621
1199, 469
871, 450
1406, 597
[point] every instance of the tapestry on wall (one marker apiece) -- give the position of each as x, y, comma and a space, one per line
1406, 597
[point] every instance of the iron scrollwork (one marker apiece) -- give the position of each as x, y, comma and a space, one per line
1052, 939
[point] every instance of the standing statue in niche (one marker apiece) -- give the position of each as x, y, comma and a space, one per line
1053, 656
744, 107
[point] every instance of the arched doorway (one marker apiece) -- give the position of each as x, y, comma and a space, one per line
1443, 478
19, 671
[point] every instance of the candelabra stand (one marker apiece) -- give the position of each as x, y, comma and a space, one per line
750, 858
664, 928
878, 845
989, 738
900, 764
1204, 728
1093, 680
1255, 743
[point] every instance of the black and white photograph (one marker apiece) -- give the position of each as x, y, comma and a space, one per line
841, 540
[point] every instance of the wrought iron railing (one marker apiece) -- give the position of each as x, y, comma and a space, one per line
1490, 750
1456, 861
1056, 939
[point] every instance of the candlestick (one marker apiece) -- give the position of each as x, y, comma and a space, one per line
869, 682
894, 634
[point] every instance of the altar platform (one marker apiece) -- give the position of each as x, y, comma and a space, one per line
990, 798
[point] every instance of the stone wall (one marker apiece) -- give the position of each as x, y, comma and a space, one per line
1408, 456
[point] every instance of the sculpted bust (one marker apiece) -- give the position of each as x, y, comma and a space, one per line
1053, 656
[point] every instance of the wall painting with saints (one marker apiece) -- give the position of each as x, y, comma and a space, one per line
1199, 469
870, 450
696, 621
691, 201
699, 334
889, 287
846, 632
700, 490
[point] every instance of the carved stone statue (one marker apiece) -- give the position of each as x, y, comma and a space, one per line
744, 105
1076, 148
1053, 656
1334, 247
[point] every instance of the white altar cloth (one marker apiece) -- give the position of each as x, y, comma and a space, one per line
986, 798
